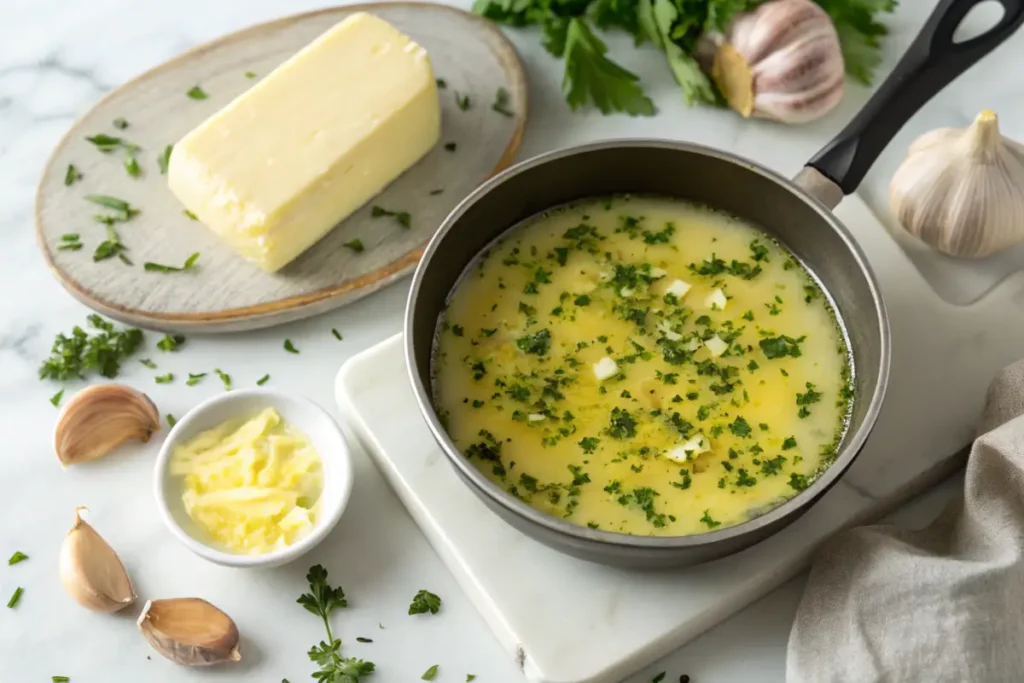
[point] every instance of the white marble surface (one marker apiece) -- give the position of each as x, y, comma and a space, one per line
58, 57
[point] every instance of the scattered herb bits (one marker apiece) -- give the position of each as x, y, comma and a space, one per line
289, 347
450, 146
15, 598
132, 168
189, 215
462, 101
72, 175
194, 378
225, 378
502, 102
60, 679
164, 159
262, 380
355, 245
171, 420
250, 74
164, 379
108, 143
425, 602
17, 557
441, 83
76, 355
430, 673
171, 342
434, 193
120, 123
55, 401
148, 363
363, 640
70, 242
337, 335
196, 93
403, 217
190, 264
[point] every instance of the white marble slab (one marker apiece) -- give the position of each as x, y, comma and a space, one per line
567, 621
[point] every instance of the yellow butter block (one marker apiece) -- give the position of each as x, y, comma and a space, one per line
282, 164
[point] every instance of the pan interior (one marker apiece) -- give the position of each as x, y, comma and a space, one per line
692, 174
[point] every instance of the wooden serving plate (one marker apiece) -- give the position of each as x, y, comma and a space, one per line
226, 293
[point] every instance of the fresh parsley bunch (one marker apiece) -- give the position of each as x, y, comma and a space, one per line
321, 600
674, 26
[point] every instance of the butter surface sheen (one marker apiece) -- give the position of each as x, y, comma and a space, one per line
283, 163
253, 486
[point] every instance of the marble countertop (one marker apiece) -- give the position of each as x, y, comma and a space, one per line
59, 57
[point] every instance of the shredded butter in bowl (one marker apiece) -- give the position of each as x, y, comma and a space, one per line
252, 485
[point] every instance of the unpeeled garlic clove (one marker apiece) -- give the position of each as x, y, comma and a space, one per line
782, 61
190, 631
91, 571
961, 190
100, 418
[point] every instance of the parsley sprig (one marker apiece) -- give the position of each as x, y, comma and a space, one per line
76, 355
675, 27
322, 600
425, 602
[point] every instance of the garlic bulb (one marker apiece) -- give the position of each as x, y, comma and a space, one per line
961, 190
91, 572
782, 61
190, 631
99, 419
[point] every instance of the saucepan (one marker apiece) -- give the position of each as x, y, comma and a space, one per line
796, 212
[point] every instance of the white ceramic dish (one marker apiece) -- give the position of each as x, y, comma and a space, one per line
311, 419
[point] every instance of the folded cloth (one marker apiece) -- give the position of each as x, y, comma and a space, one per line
941, 605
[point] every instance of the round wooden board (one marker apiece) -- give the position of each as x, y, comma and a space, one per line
226, 293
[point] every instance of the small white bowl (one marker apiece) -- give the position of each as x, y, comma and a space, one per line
311, 419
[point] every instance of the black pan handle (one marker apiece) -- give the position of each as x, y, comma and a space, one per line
930, 64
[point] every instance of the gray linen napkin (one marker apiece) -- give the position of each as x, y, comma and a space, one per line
942, 605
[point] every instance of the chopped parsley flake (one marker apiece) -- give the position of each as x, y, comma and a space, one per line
790, 442
781, 346
798, 481
404, 218
196, 93
289, 346
589, 443
711, 524
538, 343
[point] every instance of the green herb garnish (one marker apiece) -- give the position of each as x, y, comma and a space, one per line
194, 378
450, 146
171, 420
322, 600
132, 168
165, 379
74, 356
659, 678
502, 100
119, 205
72, 175
538, 343
196, 93
164, 159
355, 245
15, 598
430, 673
250, 74
711, 524
798, 481
441, 83
788, 443
289, 347
621, 425
781, 346
55, 401
110, 247
337, 335
108, 143
69, 242
59, 679
189, 264
17, 557
434, 193
170, 342
403, 217
225, 378
424, 602
262, 380
189, 215
120, 123
463, 102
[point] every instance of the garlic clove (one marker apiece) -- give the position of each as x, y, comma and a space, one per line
190, 631
91, 571
100, 418
782, 61
961, 190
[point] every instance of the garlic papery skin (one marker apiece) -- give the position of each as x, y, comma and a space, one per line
190, 631
782, 61
91, 571
100, 418
961, 190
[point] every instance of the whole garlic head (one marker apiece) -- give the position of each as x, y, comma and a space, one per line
782, 61
961, 190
